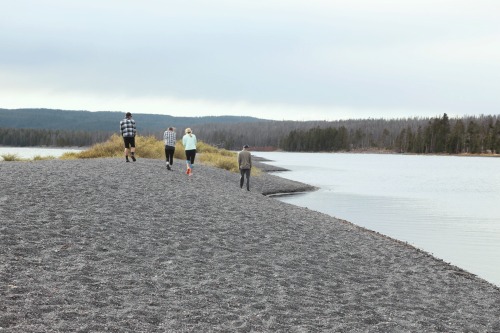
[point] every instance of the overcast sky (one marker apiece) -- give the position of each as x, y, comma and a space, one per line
273, 59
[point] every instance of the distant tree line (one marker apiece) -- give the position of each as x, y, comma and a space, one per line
442, 135
269, 134
29, 137
436, 135
406, 135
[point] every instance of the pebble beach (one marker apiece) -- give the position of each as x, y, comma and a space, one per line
101, 245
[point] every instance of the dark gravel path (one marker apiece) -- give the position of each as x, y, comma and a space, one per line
107, 246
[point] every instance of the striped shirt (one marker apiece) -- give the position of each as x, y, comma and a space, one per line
169, 138
127, 127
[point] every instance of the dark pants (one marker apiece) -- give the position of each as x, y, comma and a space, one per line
245, 173
190, 155
129, 141
169, 154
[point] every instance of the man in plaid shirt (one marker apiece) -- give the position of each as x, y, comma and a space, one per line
128, 131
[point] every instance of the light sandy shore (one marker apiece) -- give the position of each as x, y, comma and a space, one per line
107, 246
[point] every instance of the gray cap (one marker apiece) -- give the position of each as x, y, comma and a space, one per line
245, 146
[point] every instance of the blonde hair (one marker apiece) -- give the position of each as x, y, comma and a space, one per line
188, 131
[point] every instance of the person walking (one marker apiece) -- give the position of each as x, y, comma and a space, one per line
189, 143
245, 166
169, 138
128, 131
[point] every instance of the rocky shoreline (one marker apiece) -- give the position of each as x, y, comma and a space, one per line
107, 246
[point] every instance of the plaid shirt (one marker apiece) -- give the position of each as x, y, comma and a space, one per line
127, 127
169, 138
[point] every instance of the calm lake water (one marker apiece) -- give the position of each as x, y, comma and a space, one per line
24, 152
448, 206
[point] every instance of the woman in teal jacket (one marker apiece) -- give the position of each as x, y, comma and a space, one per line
189, 143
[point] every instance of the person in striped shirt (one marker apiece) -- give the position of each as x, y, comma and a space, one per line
169, 139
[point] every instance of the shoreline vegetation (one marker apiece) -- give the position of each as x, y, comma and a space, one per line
96, 244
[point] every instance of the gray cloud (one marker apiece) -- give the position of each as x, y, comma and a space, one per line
419, 56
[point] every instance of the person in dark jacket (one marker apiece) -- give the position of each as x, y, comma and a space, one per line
245, 166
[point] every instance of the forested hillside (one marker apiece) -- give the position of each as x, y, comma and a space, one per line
407, 135
48, 127
101, 121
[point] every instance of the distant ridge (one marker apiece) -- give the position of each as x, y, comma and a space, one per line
103, 120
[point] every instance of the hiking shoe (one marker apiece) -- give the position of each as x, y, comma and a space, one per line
168, 167
133, 158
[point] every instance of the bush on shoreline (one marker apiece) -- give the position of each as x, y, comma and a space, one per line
16, 158
11, 157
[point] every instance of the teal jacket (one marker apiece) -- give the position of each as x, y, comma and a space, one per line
189, 141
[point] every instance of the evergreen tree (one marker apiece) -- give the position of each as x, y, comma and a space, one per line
457, 138
473, 138
496, 137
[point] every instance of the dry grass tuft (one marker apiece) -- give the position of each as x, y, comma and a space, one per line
43, 158
11, 158
220, 161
